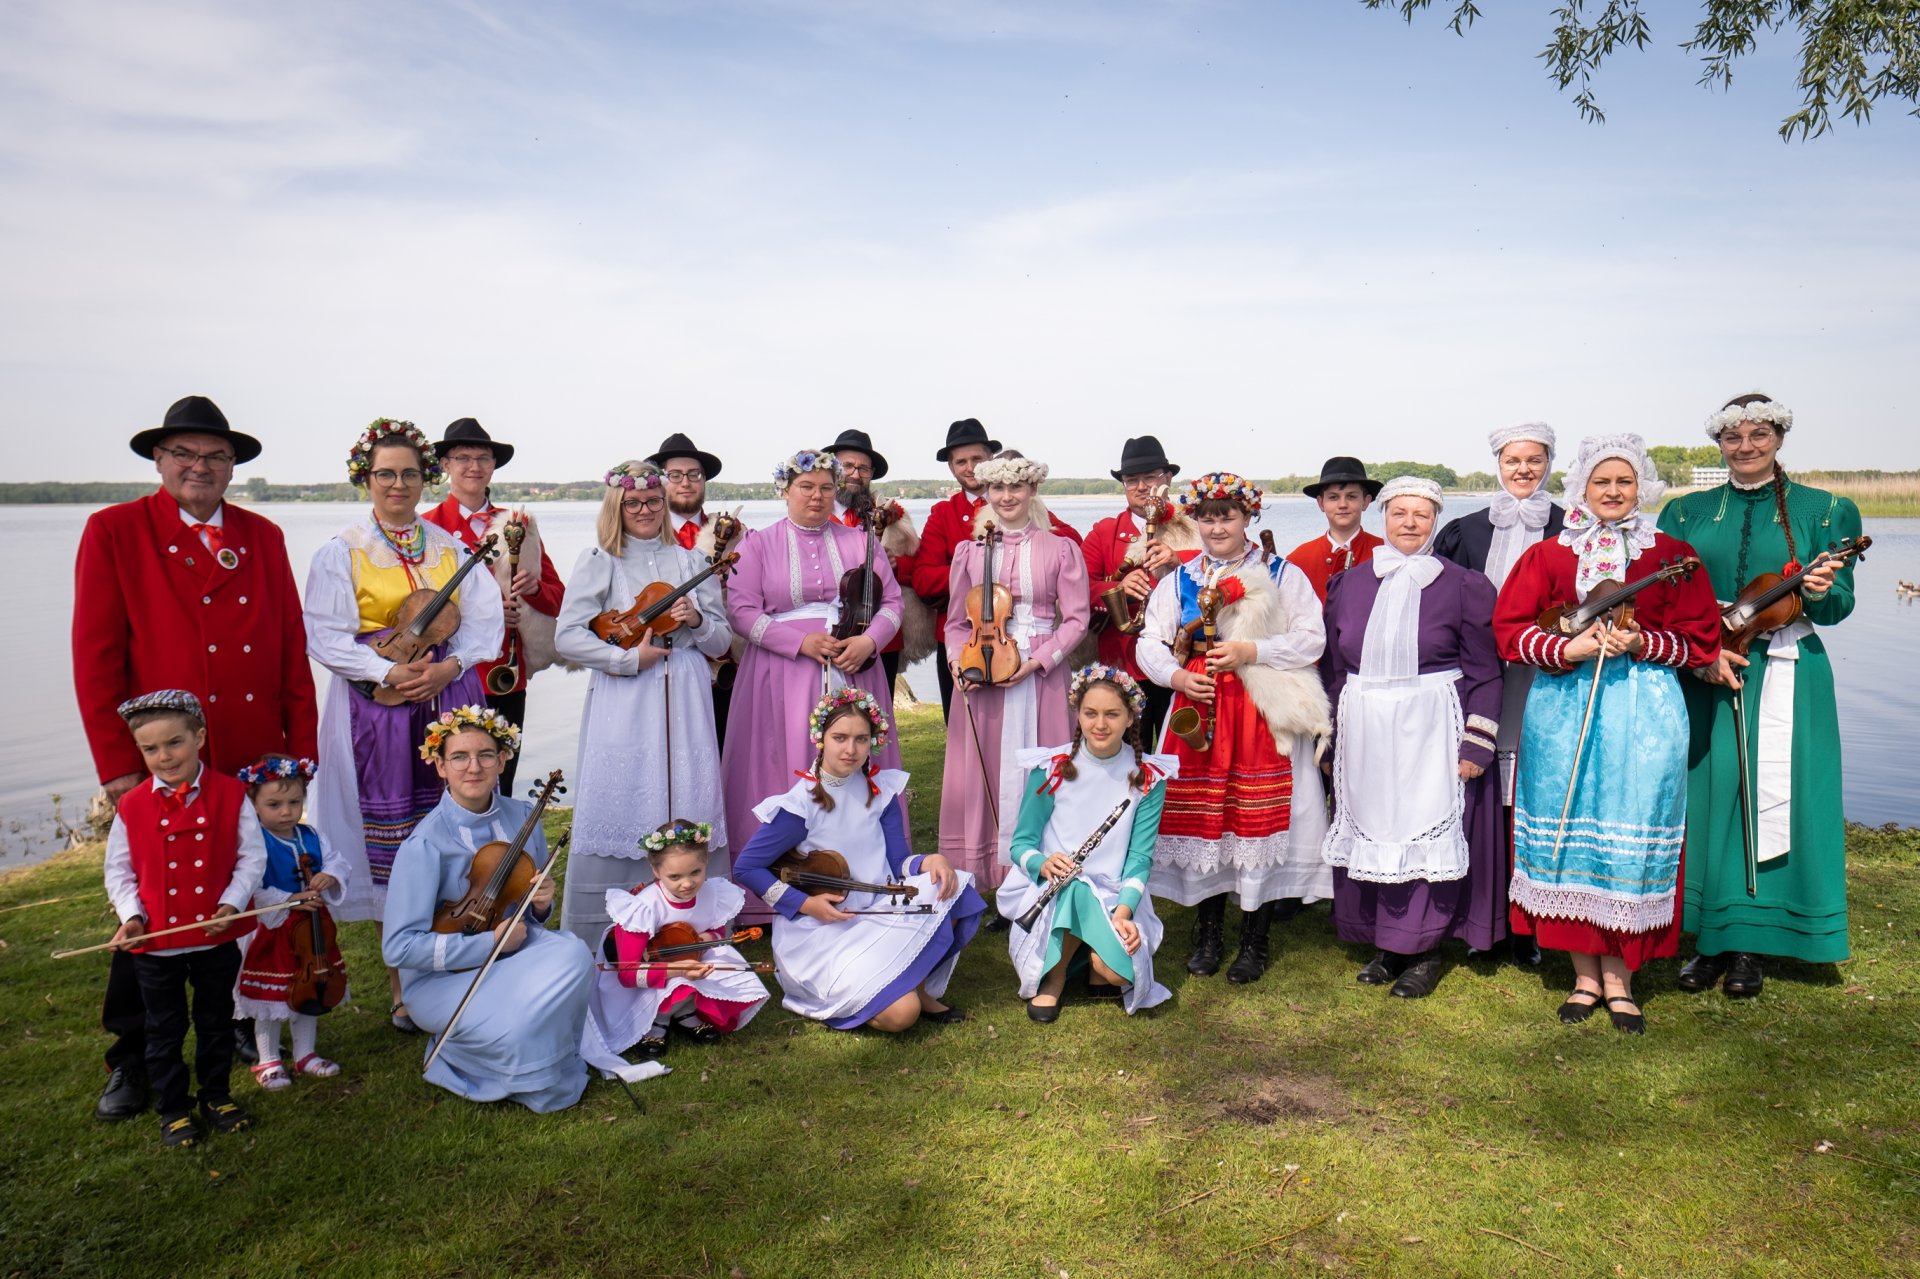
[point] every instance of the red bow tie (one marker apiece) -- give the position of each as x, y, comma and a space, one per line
215, 539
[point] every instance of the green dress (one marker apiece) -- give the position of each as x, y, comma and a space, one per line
1800, 910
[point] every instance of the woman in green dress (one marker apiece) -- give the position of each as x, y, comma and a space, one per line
1761, 522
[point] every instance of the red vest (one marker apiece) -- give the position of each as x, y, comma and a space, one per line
183, 859
1322, 563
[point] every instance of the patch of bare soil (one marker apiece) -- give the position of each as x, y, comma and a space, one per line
1254, 1098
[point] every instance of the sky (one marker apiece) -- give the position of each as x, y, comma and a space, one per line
1265, 232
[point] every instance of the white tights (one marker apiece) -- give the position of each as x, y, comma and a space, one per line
266, 1036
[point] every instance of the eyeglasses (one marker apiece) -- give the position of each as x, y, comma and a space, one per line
408, 477
1150, 479
470, 459
854, 468
1758, 435
635, 505
188, 459
693, 476
473, 759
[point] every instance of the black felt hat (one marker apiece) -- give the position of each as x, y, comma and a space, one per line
1141, 455
678, 445
196, 415
852, 441
964, 432
1344, 470
468, 431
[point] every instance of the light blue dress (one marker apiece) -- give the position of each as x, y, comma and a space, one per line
519, 1038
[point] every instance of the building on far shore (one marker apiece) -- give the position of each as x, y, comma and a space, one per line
1705, 477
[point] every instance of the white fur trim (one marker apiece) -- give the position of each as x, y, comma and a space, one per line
1293, 703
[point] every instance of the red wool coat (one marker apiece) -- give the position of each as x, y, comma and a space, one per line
545, 597
153, 608
950, 523
1321, 563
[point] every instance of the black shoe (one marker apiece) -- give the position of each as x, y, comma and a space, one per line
1103, 989
1573, 1012
244, 1046
1252, 959
654, 1044
945, 1017
1421, 977
226, 1115
1523, 951
1743, 976
1209, 936
1042, 1013
1381, 969
179, 1132
1631, 1023
996, 922
702, 1032
124, 1096
1702, 972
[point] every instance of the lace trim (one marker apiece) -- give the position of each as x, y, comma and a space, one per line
1205, 856
1413, 856
1616, 914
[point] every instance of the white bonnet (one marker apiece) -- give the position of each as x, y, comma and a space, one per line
1596, 449
1410, 486
1537, 432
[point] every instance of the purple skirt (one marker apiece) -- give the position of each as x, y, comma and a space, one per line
1417, 916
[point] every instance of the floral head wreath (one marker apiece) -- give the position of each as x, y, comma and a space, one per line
677, 831
276, 769
1219, 486
858, 698
1012, 470
360, 456
1768, 411
1097, 672
635, 475
485, 718
802, 462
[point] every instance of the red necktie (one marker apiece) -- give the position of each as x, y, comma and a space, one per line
173, 801
211, 533
687, 534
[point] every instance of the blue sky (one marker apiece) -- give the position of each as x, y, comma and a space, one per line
1266, 232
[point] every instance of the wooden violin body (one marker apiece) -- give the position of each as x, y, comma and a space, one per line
989, 656
859, 588
1610, 599
425, 619
319, 980
682, 941
1773, 600
500, 875
825, 871
651, 610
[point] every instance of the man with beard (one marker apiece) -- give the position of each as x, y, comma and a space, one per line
860, 466
687, 470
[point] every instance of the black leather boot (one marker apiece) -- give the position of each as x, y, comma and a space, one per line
1744, 977
1209, 936
1252, 959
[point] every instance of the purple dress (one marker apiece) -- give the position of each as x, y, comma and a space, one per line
1456, 633
785, 588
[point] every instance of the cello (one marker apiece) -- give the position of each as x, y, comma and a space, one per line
425, 618
859, 589
319, 980
650, 610
499, 875
989, 655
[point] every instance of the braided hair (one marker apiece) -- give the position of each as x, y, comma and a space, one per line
819, 791
1137, 778
1779, 475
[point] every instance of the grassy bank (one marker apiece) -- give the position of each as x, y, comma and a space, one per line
1302, 1124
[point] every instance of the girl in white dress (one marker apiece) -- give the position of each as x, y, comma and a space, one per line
852, 958
1104, 908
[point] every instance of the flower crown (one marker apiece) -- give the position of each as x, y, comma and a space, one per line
861, 700
802, 462
484, 718
1012, 470
360, 456
1222, 486
276, 769
634, 475
677, 831
1099, 672
1768, 411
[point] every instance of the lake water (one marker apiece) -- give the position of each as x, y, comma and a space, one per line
46, 772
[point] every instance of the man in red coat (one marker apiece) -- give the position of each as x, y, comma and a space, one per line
950, 523
180, 590
471, 456
1113, 561
1344, 493
687, 470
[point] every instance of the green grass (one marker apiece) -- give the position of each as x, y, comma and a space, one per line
1304, 1124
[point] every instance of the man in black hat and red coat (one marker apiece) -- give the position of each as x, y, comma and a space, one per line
1344, 492
687, 469
950, 523
180, 590
860, 465
533, 595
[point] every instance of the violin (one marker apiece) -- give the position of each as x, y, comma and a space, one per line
859, 589
825, 871
990, 655
650, 610
425, 619
319, 980
1610, 600
681, 941
499, 875
1771, 601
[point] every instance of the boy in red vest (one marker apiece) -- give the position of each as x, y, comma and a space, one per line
184, 849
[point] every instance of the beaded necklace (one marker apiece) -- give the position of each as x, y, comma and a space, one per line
410, 546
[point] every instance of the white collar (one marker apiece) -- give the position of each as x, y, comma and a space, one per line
468, 515
681, 521
1337, 544
219, 517
161, 788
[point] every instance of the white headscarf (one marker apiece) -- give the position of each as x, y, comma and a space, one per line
1390, 649
1517, 521
1605, 550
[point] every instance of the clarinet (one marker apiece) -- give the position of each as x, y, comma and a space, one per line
1047, 894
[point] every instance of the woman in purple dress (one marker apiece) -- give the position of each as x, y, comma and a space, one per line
1412, 669
783, 599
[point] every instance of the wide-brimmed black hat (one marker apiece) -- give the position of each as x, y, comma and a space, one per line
1344, 470
1141, 455
964, 432
468, 431
678, 445
196, 415
852, 441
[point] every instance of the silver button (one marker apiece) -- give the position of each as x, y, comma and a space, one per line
173, 550
246, 648
199, 890
173, 865
173, 919
213, 648
173, 892
206, 599
213, 697
163, 821
243, 599
249, 696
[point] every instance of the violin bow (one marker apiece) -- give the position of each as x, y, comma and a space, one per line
143, 938
1580, 744
979, 753
553, 859
1748, 844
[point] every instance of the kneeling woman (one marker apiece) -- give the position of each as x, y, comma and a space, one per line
1102, 907
848, 958
1602, 881
519, 1038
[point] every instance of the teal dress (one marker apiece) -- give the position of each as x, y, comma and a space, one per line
1800, 909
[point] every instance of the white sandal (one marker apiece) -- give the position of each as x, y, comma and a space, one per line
317, 1066
271, 1075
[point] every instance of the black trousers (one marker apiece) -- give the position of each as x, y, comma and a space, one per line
1159, 700
164, 978
890, 663
722, 699
514, 707
123, 1014
944, 673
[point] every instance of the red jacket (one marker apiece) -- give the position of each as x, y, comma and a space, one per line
1679, 617
1321, 563
1105, 548
184, 858
153, 608
546, 595
950, 523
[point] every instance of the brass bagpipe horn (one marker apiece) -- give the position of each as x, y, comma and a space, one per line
503, 678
